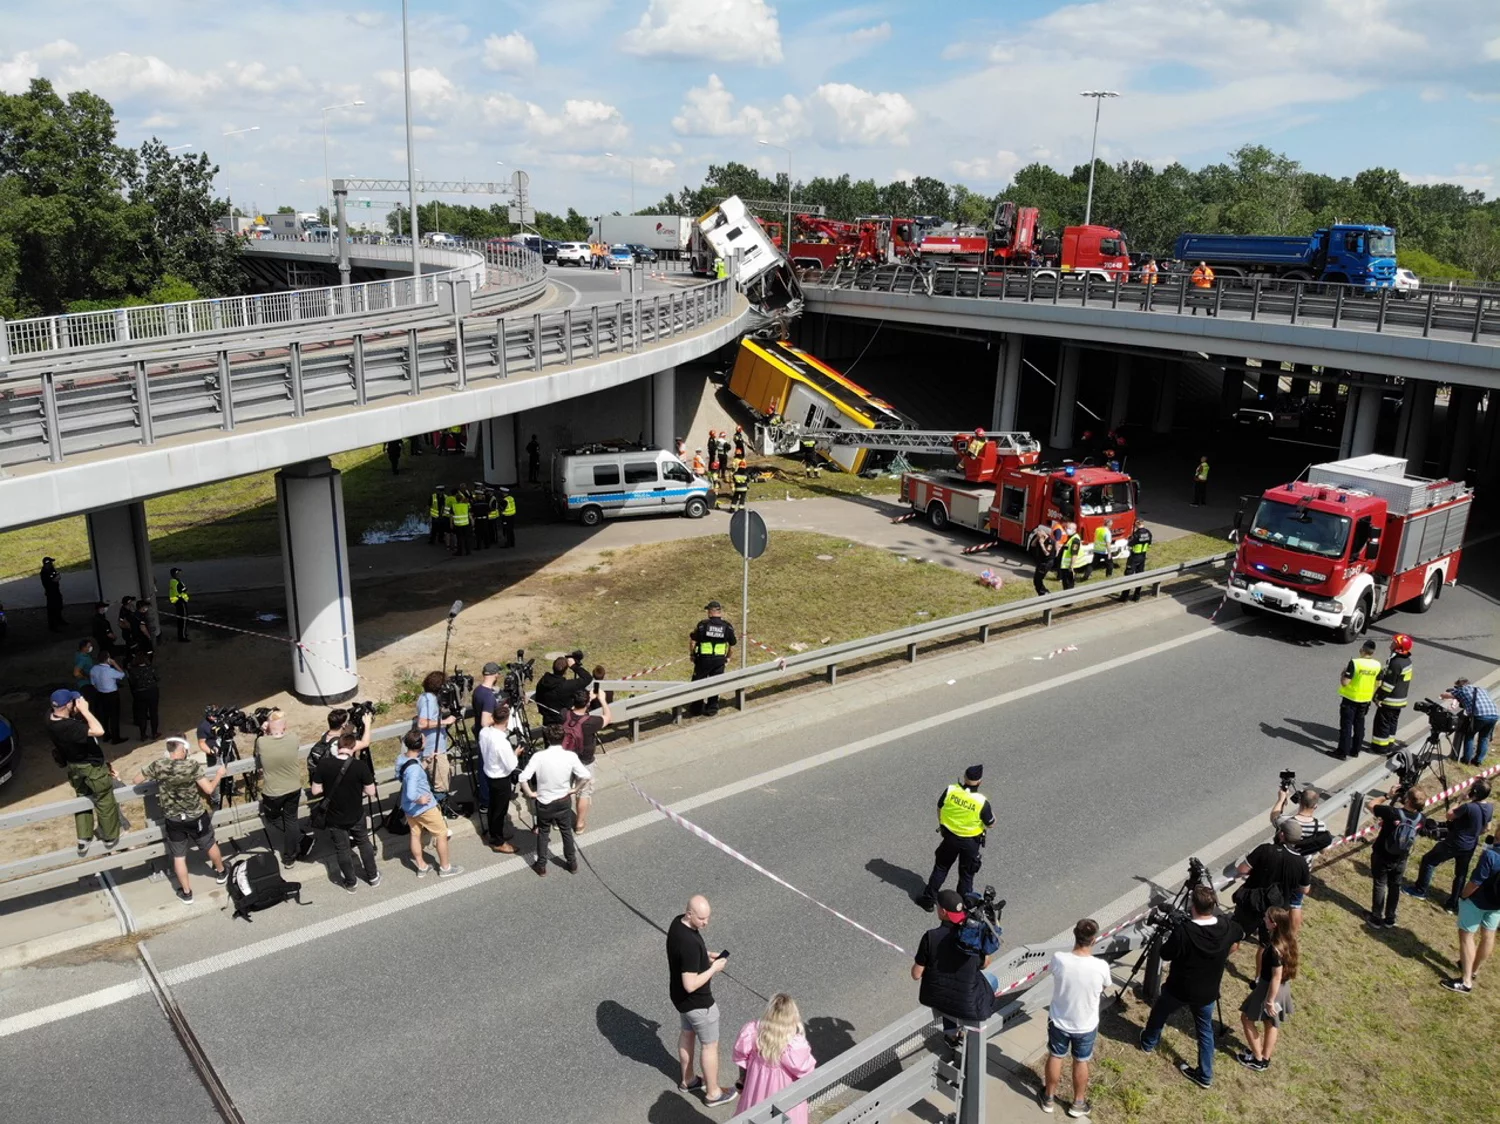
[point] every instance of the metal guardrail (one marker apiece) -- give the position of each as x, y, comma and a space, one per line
1469, 313
50, 415
74, 332
26, 875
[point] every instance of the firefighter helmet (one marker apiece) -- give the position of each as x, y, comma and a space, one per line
1401, 644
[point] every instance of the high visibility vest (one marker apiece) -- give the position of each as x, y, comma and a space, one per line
1203, 278
1140, 542
1103, 540
741, 482
438, 505
1395, 681
494, 510
721, 271
809, 443
510, 506
698, 465
1361, 685
1150, 273
1201, 472
713, 638
176, 591
460, 513
1070, 550
961, 811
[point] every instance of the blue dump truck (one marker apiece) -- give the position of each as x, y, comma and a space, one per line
1345, 254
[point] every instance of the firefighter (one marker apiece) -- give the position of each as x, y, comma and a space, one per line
1135, 562
1356, 689
699, 468
774, 420
1067, 556
726, 456
710, 645
739, 443
713, 454
1390, 695
1203, 281
976, 443
963, 814
177, 595
741, 482
437, 514
1104, 544
508, 517
809, 446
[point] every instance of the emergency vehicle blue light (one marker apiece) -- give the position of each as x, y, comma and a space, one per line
1070, 470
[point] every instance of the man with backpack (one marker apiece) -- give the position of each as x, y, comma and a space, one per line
1466, 824
345, 780
1400, 815
581, 735
1478, 918
1315, 835
1275, 874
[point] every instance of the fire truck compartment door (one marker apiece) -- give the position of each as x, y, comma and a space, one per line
1430, 536
1013, 505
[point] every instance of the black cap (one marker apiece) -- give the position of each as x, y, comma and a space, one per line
491, 668
175, 571
713, 605
974, 773
47, 559
950, 901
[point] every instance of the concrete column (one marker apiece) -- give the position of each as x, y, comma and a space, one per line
1416, 417
1267, 384
1064, 398
121, 553
1007, 384
1328, 388
1301, 379
1463, 410
500, 443
1366, 419
1489, 431
1233, 393
1119, 401
1165, 412
664, 408
315, 562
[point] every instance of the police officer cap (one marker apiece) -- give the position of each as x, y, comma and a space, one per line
712, 605
175, 571
974, 772
491, 668
48, 559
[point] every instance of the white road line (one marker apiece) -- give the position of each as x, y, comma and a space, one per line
317, 931
577, 293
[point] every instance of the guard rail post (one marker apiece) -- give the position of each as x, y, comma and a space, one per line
413, 366
1296, 300
501, 359
1338, 305
1218, 296
536, 341
460, 361
1385, 300
1255, 299
975, 1076
1150, 293
226, 393
50, 416
567, 331
143, 403
635, 324
594, 330
294, 371
1478, 317
1356, 809
1181, 294
361, 391
1427, 320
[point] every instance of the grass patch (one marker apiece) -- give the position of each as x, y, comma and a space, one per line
1374, 1038
790, 477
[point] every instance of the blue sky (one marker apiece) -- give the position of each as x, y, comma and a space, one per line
961, 89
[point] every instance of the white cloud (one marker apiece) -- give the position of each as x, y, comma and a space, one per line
1471, 177
431, 89
711, 111
1492, 49
582, 121
123, 74
160, 121
258, 78
1001, 166
1434, 93
724, 31
368, 20
869, 36
512, 54
847, 115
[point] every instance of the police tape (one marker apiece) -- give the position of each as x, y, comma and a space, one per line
688, 825
980, 546
763, 647
648, 670
1057, 652
904, 518
304, 648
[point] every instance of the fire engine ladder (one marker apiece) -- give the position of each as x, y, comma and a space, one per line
904, 440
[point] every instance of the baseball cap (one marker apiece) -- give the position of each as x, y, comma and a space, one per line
491, 668
713, 605
950, 901
62, 697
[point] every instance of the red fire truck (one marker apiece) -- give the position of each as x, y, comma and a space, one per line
1015, 239
1359, 537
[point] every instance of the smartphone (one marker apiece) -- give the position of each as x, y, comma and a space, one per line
724, 955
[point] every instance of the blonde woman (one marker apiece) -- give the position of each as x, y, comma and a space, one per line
772, 1052
1271, 1000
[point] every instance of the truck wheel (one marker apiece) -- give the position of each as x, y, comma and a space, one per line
590, 516
1431, 593
695, 508
1358, 621
937, 516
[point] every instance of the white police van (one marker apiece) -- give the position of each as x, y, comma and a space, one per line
594, 482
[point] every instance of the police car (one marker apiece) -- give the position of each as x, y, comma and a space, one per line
591, 483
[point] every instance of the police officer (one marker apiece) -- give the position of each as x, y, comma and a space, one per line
963, 814
177, 597
710, 645
1104, 544
741, 483
437, 514
1356, 689
1067, 556
1135, 561
508, 517
460, 510
487, 517
809, 446
52, 591
1042, 547
1390, 694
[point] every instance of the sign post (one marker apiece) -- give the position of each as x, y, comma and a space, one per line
748, 534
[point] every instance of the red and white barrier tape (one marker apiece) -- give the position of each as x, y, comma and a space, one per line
763, 647
648, 670
1057, 652
904, 518
981, 546
305, 649
755, 866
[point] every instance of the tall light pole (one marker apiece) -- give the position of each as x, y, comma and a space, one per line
786, 241
327, 182
228, 195
1098, 96
411, 153
612, 156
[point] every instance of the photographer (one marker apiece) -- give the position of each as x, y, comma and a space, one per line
344, 780
554, 690
328, 741
433, 724
1400, 815
953, 978
483, 703
1480, 713
581, 735
1466, 823
181, 785
1198, 948
75, 735
1315, 833
280, 761
1276, 874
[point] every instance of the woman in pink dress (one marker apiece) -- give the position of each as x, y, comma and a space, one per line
772, 1053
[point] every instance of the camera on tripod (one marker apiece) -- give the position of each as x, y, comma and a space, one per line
1440, 720
980, 932
519, 672
359, 713
1408, 765
1166, 916
454, 690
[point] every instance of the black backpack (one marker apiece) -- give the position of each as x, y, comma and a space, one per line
1403, 834
255, 883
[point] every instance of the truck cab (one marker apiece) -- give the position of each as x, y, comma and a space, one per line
1356, 254
1096, 250
1090, 497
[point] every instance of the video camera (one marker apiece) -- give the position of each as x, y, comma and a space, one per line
1408, 765
519, 672
359, 712
980, 932
1440, 720
225, 722
1166, 916
455, 689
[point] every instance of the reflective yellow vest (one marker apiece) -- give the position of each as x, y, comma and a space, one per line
1070, 550
510, 506
741, 482
460, 513
1139, 546
1361, 685
961, 809
1201, 472
439, 502
176, 591
1102, 540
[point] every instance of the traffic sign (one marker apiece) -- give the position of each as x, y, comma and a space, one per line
747, 531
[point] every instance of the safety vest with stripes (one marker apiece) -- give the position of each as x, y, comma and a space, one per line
460, 513
176, 591
961, 811
439, 503
1103, 540
510, 506
1071, 549
1363, 674
1395, 681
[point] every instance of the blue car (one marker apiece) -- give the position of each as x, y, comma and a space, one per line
621, 257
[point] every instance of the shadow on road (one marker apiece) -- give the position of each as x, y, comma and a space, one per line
674, 1108
638, 1038
908, 881
828, 1036
1309, 735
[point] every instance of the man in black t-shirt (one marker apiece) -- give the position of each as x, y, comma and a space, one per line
1399, 816
344, 780
485, 700
691, 971
75, 735
1466, 824
954, 982
1276, 873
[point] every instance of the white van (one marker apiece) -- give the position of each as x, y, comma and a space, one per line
595, 482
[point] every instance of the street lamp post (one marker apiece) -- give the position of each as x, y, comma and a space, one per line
228, 194
612, 156
327, 182
787, 238
411, 153
1098, 96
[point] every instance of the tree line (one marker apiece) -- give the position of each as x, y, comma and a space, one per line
1443, 230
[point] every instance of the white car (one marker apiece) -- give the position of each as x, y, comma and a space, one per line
438, 238
573, 253
1408, 284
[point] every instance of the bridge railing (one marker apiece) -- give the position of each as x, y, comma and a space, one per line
1470, 312
139, 400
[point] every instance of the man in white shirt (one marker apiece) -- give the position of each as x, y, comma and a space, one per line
552, 778
498, 759
1079, 979
106, 677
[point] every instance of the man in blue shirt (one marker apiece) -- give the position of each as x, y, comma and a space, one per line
434, 726
1482, 713
106, 678
1478, 918
1466, 823
421, 808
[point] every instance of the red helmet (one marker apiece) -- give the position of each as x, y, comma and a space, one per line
978, 431
1401, 644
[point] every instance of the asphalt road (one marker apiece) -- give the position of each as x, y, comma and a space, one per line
503, 996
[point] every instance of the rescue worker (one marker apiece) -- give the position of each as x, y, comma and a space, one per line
1149, 272
976, 443
486, 516
713, 454
177, 596
775, 420
52, 591
1135, 562
809, 446
721, 270
699, 467
710, 645
1390, 695
1103, 552
508, 517
437, 514
1042, 548
460, 512
739, 443
1067, 556
1200, 483
1356, 689
963, 814
1203, 281
741, 482
726, 456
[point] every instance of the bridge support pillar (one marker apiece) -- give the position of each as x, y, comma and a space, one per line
1165, 412
1463, 414
664, 408
1301, 380
315, 562
1064, 398
1360, 419
499, 441
1119, 401
121, 552
1233, 392
1007, 384
1416, 417
1267, 385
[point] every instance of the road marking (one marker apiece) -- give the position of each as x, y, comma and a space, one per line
271, 946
